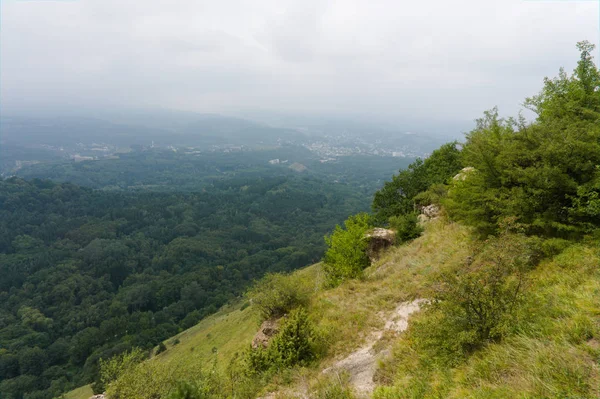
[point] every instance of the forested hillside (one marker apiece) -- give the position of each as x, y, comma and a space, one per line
498, 274
87, 274
497, 257
165, 170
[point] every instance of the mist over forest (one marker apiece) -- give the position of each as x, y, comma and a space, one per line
299, 199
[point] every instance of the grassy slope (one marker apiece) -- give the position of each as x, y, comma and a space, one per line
555, 353
344, 314
221, 335
80, 393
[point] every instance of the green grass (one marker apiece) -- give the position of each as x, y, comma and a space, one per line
219, 337
83, 392
553, 353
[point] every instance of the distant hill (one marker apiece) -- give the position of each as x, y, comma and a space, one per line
202, 130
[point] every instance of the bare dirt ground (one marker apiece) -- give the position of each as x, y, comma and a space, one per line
361, 364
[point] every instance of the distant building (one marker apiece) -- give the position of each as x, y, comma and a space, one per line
79, 158
274, 161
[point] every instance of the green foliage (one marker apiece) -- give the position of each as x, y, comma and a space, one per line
161, 348
548, 349
255, 361
586, 203
149, 380
87, 274
32, 361
113, 368
333, 387
186, 390
295, 343
479, 303
207, 388
397, 197
432, 196
406, 227
34, 319
277, 294
544, 174
346, 255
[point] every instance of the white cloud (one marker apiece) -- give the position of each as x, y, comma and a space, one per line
393, 59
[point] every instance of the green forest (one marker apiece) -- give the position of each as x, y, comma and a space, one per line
166, 170
87, 274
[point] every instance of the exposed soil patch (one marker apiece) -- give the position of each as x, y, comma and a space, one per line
362, 363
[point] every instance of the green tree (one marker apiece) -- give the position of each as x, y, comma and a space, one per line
9, 366
397, 197
33, 318
277, 294
32, 361
346, 255
542, 174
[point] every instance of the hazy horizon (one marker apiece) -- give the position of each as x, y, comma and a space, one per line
388, 62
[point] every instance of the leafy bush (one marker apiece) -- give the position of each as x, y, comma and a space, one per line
346, 255
296, 341
113, 368
479, 303
256, 360
187, 390
433, 195
277, 294
161, 348
406, 226
206, 388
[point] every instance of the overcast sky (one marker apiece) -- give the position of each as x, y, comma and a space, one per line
441, 59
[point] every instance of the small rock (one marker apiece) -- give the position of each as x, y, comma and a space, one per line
462, 175
379, 239
430, 211
268, 329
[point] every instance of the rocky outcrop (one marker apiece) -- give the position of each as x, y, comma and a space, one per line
101, 396
268, 329
431, 211
428, 213
462, 175
379, 239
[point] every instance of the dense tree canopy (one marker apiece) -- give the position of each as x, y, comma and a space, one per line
543, 176
397, 196
86, 274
